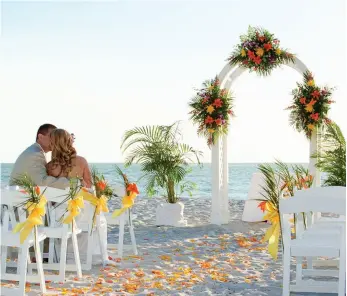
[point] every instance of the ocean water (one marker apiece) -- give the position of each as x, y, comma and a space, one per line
239, 178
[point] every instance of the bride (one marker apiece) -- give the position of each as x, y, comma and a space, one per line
66, 163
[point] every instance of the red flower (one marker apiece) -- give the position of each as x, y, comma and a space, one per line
204, 100
219, 121
327, 120
257, 60
262, 205
315, 94
315, 116
101, 185
208, 120
133, 188
217, 103
250, 54
245, 62
267, 46
303, 100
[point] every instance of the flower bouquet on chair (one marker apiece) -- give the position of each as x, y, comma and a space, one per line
128, 199
102, 193
34, 205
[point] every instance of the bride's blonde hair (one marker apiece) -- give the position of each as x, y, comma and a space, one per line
63, 153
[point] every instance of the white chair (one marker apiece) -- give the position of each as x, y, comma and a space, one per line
320, 199
10, 239
251, 211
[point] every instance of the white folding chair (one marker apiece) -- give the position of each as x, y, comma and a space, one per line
319, 199
10, 239
62, 232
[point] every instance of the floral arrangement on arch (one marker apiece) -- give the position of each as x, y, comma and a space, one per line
310, 105
211, 110
259, 51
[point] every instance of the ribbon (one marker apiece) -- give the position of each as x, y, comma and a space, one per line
273, 233
127, 202
100, 203
36, 212
74, 207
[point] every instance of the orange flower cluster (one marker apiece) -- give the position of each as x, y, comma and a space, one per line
211, 110
310, 105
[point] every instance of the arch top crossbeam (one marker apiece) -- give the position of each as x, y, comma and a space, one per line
229, 73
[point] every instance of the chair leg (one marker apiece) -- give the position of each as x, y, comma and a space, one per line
62, 262
51, 250
90, 242
286, 273
133, 239
298, 269
121, 236
30, 268
39, 265
342, 273
76, 254
23, 268
3, 259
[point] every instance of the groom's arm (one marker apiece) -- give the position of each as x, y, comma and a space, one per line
38, 173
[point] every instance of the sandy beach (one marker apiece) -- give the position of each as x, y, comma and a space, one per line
200, 259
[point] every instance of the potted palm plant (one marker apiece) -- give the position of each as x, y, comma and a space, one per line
332, 157
164, 163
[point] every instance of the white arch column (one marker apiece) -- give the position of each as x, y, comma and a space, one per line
220, 200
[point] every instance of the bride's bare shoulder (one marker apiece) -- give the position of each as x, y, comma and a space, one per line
81, 161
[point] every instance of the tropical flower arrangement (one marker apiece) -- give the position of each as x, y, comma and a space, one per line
74, 202
34, 205
310, 106
259, 51
211, 110
103, 192
279, 182
128, 199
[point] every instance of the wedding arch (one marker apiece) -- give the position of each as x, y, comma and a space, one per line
220, 200
212, 107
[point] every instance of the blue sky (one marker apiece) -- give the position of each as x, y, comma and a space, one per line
98, 69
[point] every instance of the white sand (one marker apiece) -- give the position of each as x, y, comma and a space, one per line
200, 259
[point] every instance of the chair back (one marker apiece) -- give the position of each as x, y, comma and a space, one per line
316, 199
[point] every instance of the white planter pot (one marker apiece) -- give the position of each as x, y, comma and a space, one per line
170, 215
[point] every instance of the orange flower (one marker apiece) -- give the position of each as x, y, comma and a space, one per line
267, 46
250, 54
101, 185
303, 100
37, 190
217, 103
133, 188
309, 106
315, 94
209, 120
261, 38
218, 121
262, 206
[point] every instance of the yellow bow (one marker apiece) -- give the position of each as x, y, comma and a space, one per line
74, 207
273, 233
36, 212
127, 202
99, 203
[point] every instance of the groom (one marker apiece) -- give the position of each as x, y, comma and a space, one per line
32, 161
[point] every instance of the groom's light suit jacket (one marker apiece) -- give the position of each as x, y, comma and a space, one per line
32, 162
